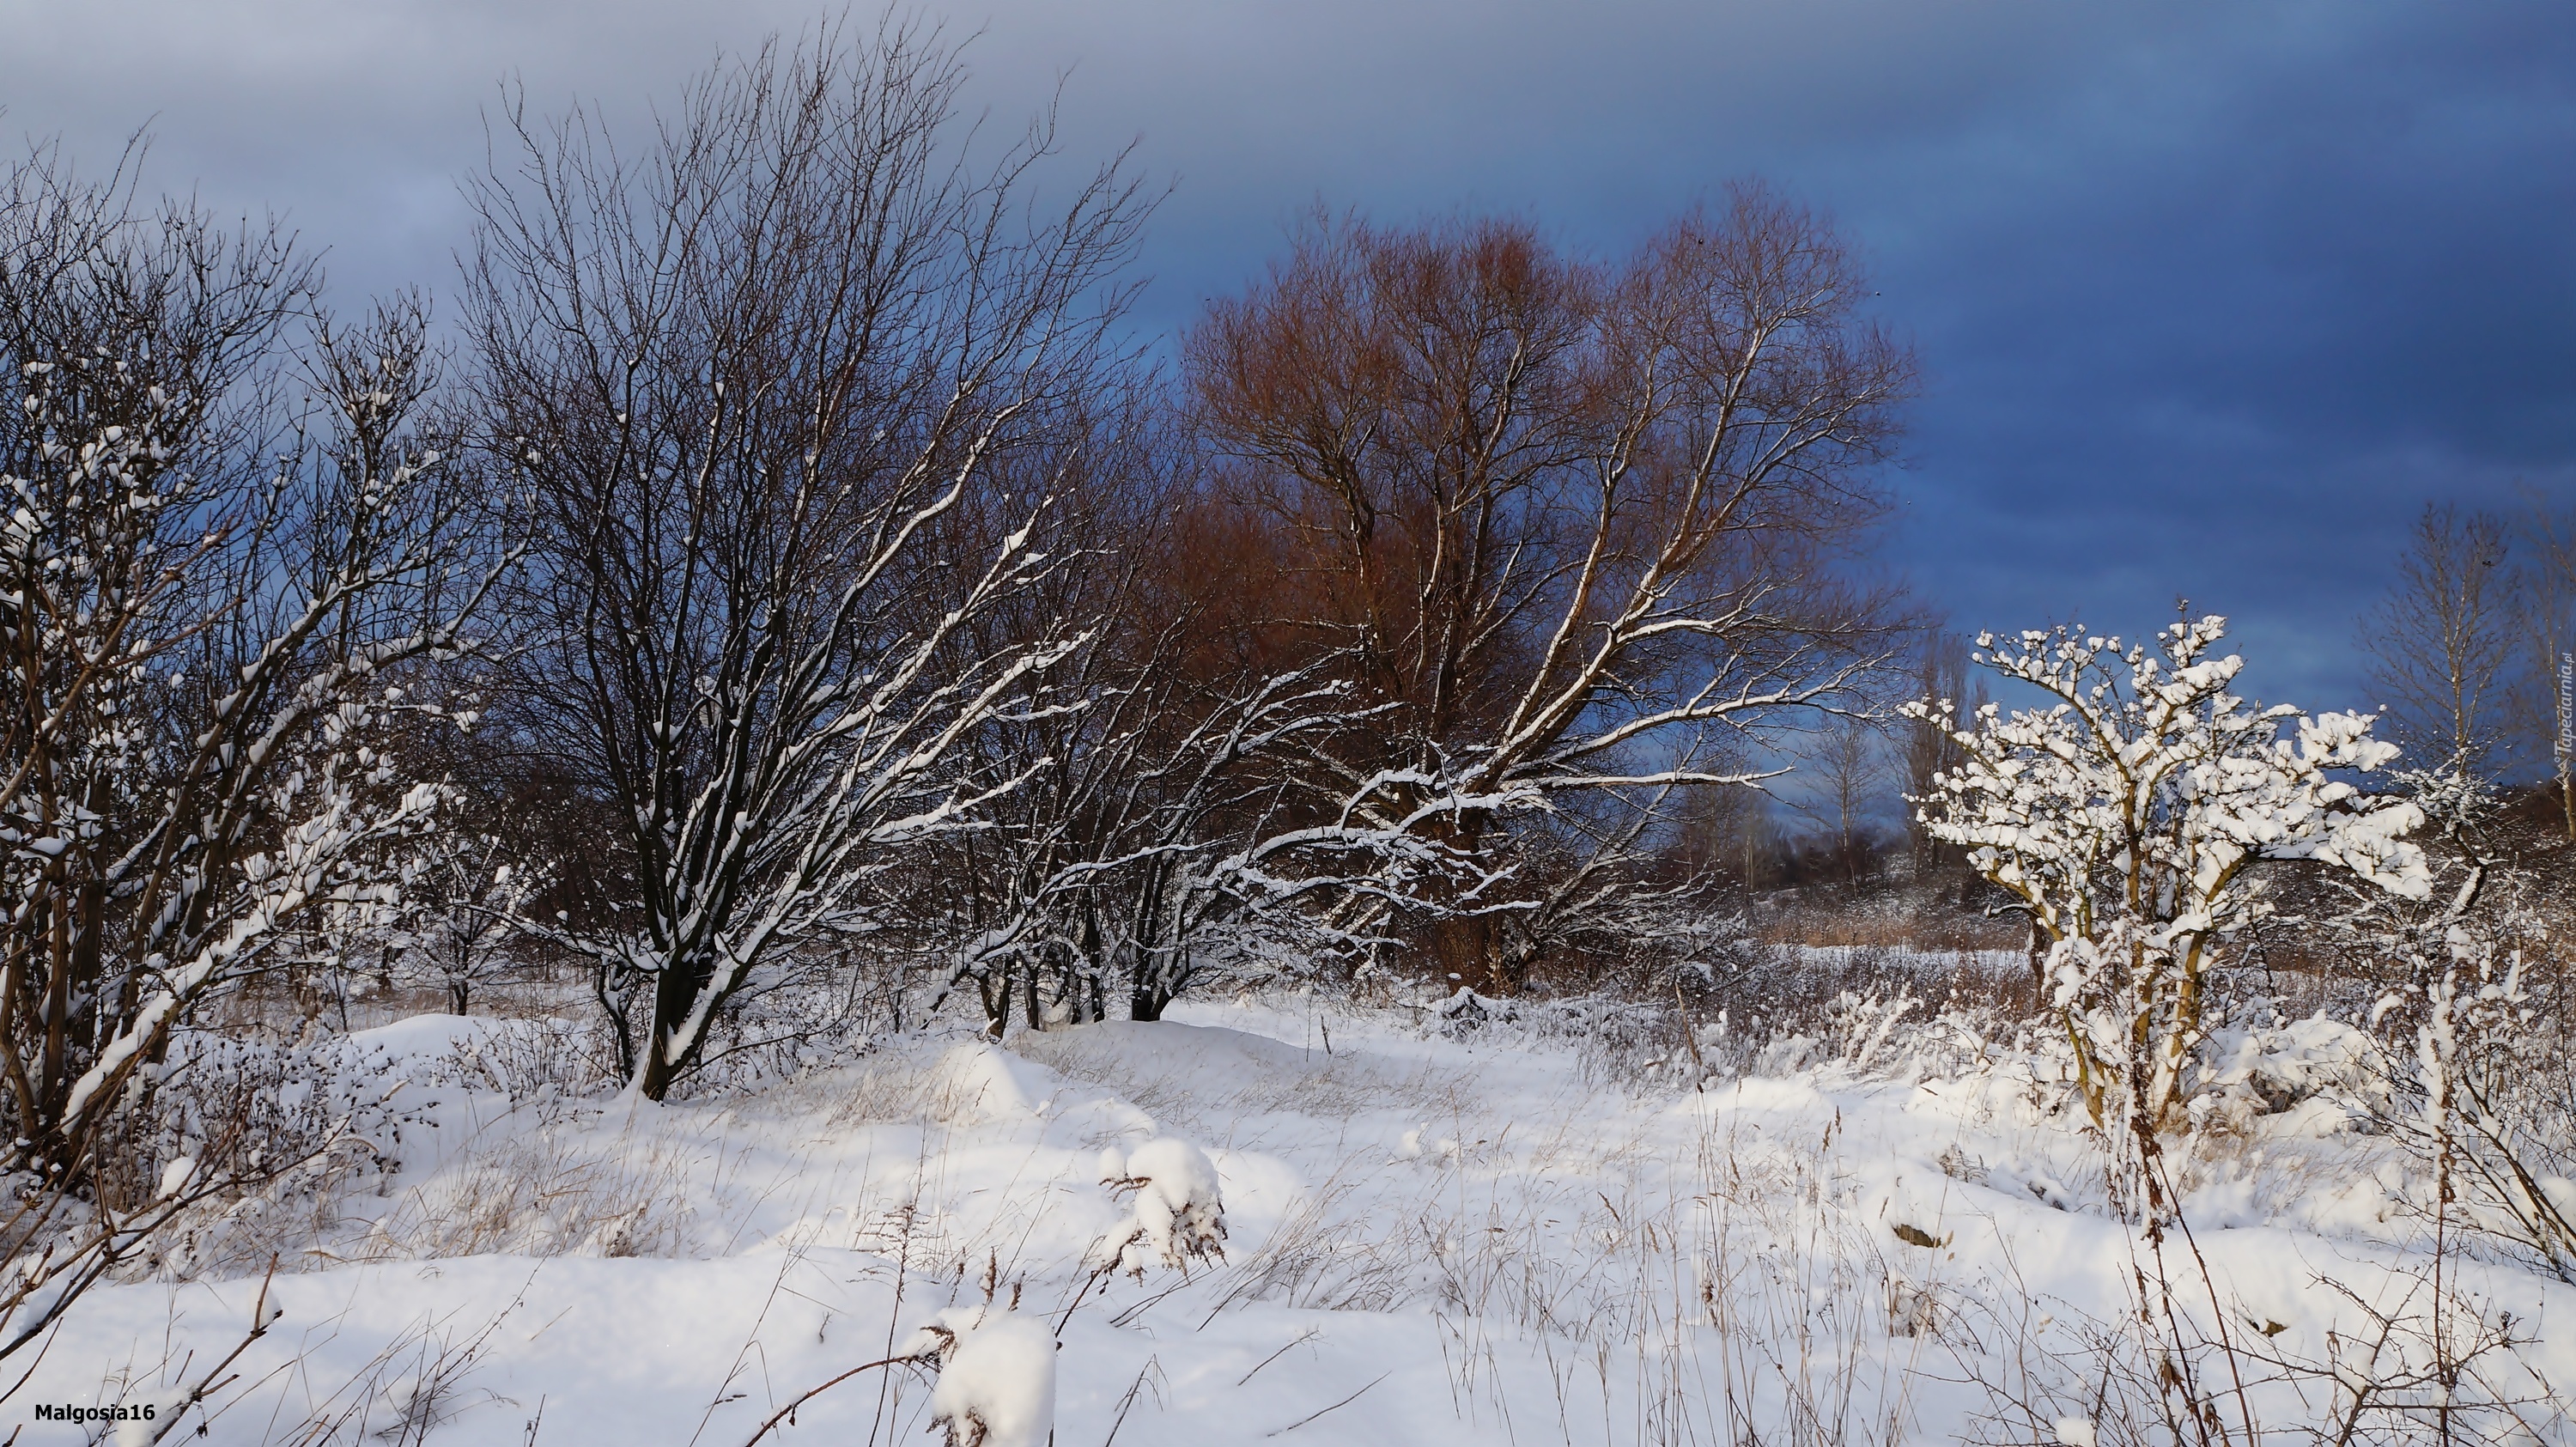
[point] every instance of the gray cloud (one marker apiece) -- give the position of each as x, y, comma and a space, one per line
2213, 295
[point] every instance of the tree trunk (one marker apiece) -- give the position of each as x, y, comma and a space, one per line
1147, 1003
673, 993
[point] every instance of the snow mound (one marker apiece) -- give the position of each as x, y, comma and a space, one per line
431, 1036
978, 1084
1212, 1054
1191, 1070
2317, 1075
996, 1376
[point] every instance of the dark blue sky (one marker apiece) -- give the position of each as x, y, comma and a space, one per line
2212, 296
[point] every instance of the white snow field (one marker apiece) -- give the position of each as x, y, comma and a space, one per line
1425, 1240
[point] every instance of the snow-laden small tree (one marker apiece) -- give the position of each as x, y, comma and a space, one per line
2125, 817
467, 908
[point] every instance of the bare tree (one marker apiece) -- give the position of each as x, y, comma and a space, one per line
2440, 646
1725, 835
213, 627
1566, 519
467, 904
753, 381
1194, 847
1185, 820
2546, 620
1848, 761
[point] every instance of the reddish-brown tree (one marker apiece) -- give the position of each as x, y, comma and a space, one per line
1571, 522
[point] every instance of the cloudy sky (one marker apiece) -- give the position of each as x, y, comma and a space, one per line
2212, 296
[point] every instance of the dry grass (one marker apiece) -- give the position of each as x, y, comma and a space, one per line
542, 1194
1735, 1296
1328, 1086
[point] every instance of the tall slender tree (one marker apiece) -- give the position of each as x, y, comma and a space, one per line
2547, 622
2440, 646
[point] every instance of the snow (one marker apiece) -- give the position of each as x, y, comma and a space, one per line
996, 1377
427, 1036
1427, 1240
1180, 1211
985, 1084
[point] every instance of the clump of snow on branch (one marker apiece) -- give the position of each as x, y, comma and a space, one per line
1180, 1216
996, 1376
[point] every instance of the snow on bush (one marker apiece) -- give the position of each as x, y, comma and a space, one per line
2124, 818
1465, 1012
2490, 1106
298, 1124
996, 1376
1180, 1217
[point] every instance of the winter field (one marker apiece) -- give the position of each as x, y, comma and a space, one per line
1437, 1227
784, 660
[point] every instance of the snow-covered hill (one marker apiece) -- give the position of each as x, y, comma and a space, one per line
1461, 1237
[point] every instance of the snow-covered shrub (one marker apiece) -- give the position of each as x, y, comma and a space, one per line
2493, 1101
2415, 1362
547, 1064
1180, 1216
2124, 818
543, 1193
1466, 1012
1863, 1025
813, 1013
301, 1126
996, 1376
1622, 1041
223, 627
2470, 1010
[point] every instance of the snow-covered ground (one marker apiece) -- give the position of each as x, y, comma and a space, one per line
1427, 1240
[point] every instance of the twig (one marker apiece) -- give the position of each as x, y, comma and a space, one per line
1311, 1416
1155, 1300
1309, 1334
783, 1413
1690, 1037
1093, 1280
260, 1321
1128, 1402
